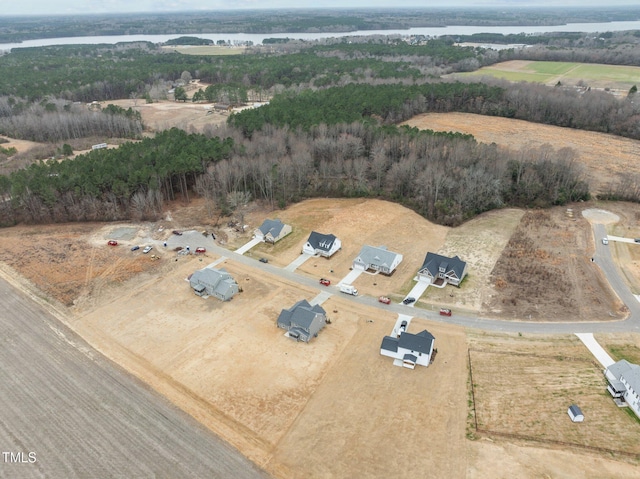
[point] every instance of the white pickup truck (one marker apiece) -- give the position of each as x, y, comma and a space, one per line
348, 289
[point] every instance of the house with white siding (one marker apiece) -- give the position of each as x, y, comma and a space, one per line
271, 231
322, 245
377, 259
409, 348
623, 380
450, 270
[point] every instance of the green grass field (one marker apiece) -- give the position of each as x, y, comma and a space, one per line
615, 77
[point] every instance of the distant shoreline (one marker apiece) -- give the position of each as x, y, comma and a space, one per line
257, 38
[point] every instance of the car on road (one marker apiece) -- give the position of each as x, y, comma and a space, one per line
445, 312
147, 249
264, 260
200, 249
112, 243
605, 240
408, 300
637, 240
176, 232
135, 248
325, 282
384, 300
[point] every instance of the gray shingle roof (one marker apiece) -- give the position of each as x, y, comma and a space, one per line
300, 314
409, 357
389, 344
433, 262
377, 255
420, 342
218, 279
271, 226
321, 241
630, 371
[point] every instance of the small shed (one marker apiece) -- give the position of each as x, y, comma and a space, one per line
575, 413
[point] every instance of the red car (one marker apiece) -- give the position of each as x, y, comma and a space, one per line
112, 243
325, 282
445, 312
200, 249
384, 300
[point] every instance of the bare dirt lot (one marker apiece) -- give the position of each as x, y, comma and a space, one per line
605, 157
162, 115
334, 407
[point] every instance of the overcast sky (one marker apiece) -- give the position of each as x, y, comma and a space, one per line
66, 7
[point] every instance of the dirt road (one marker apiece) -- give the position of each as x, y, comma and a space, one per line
69, 412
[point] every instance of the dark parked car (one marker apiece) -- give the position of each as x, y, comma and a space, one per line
135, 248
408, 300
264, 260
176, 232
112, 243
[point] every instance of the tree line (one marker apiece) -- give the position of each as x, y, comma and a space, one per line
54, 121
390, 104
131, 181
448, 178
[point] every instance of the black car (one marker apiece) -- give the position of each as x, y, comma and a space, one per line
134, 248
264, 260
637, 240
408, 300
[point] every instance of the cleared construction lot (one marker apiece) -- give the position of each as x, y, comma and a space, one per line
333, 407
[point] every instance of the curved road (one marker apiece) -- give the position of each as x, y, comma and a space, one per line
81, 416
602, 259
68, 412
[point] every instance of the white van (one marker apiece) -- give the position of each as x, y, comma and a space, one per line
348, 289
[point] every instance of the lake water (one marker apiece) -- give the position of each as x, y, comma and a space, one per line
258, 38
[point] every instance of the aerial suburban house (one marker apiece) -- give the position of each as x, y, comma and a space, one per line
410, 349
624, 384
321, 245
302, 321
272, 230
377, 259
437, 267
214, 282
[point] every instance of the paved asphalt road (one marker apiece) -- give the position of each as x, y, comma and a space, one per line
81, 416
602, 259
